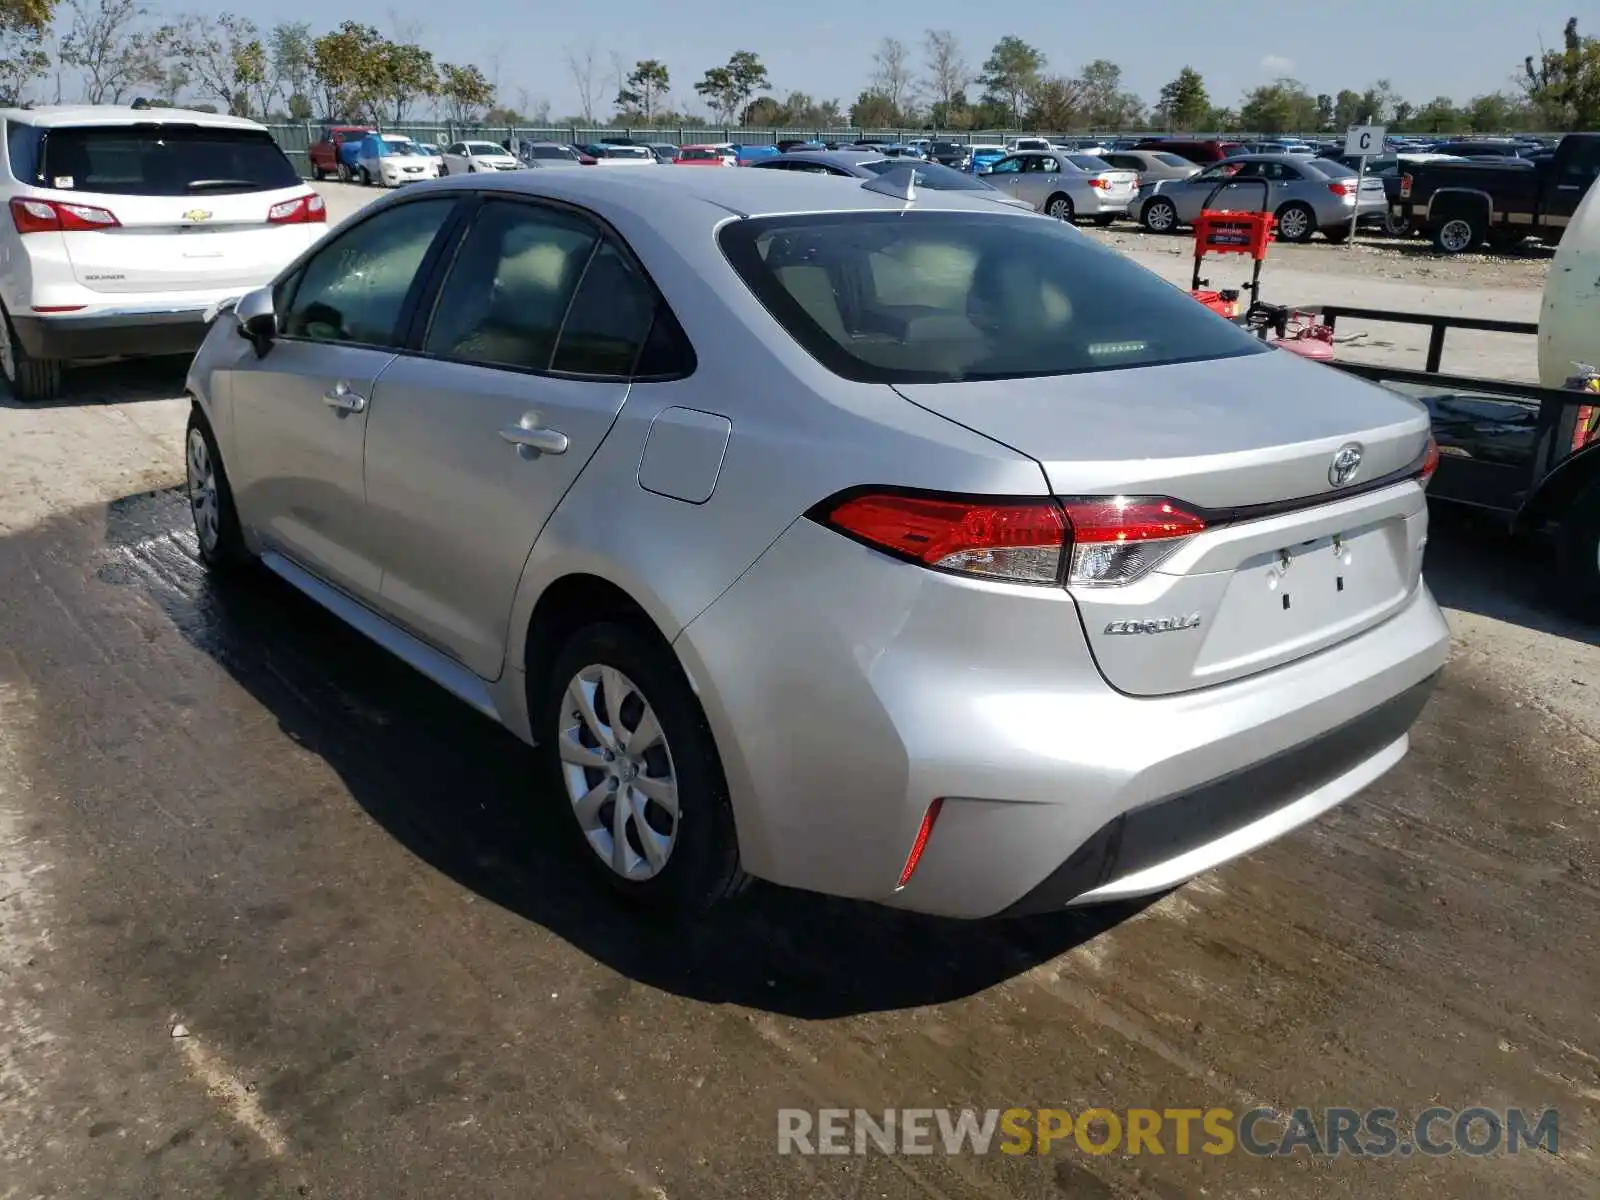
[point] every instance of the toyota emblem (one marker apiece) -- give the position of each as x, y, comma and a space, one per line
1345, 464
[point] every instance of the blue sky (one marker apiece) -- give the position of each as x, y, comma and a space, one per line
1426, 47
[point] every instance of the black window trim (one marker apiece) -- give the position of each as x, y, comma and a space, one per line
433, 277
448, 229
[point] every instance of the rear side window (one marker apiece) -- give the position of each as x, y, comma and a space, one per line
929, 297
608, 319
163, 160
22, 148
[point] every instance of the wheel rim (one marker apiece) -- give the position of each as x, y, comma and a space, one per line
1456, 235
203, 491
619, 772
1293, 224
1060, 209
1160, 216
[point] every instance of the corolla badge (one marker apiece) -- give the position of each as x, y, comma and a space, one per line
1155, 625
1345, 464
197, 214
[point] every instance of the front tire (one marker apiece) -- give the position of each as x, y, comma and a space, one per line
634, 763
1296, 223
318, 173
216, 521
344, 173
29, 378
366, 177
1060, 207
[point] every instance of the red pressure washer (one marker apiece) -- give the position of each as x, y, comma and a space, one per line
1230, 231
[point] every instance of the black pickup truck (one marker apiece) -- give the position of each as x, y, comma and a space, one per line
1462, 205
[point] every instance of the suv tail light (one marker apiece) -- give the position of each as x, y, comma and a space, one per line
302, 210
1095, 541
1405, 187
31, 215
1342, 189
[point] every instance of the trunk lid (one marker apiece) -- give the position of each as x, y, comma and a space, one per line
1289, 563
180, 243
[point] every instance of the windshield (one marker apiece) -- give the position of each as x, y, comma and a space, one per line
943, 148
624, 151
699, 154
162, 160
484, 148
401, 147
930, 297
931, 176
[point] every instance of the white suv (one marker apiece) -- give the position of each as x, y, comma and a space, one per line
123, 226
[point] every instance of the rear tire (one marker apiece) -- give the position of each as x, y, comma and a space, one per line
318, 173
28, 378
1457, 235
216, 521
693, 858
1060, 207
366, 177
1296, 223
444, 169
1579, 556
344, 173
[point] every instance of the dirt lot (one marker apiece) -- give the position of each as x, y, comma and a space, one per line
226, 817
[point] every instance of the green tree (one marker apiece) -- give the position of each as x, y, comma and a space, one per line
465, 92
1283, 106
117, 50
1378, 104
1439, 115
945, 78
340, 71
1492, 113
892, 78
225, 58
1346, 109
645, 88
1184, 105
728, 88
289, 49
1564, 85
26, 16
874, 110
1324, 111
1056, 104
1106, 105
399, 74
1010, 73
22, 60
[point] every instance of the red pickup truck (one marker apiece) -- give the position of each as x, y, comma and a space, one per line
328, 157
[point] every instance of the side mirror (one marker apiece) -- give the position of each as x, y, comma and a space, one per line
257, 321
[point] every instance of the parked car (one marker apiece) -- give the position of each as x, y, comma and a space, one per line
979, 603
947, 154
1309, 195
703, 156
467, 158
392, 159
433, 152
1462, 205
1027, 143
869, 164
1204, 151
610, 154
983, 154
123, 226
665, 152
1151, 165
1059, 187
1387, 168
745, 156
549, 154
334, 153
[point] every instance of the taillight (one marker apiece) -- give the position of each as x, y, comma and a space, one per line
302, 210
585, 160
1118, 539
921, 844
1342, 189
31, 215
1019, 541
1101, 182
1430, 462
1096, 541
1405, 187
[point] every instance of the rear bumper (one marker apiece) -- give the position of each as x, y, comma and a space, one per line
112, 333
1104, 206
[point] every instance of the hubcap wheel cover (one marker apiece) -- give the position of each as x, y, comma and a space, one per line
1456, 235
203, 492
618, 771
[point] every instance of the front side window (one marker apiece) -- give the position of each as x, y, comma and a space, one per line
1007, 166
161, 160
510, 285
354, 288
929, 297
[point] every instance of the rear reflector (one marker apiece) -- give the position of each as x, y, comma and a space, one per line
31, 215
921, 844
1118, 539
1019, 541
302, 210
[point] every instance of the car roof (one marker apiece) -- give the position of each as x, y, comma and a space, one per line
678, 202
58, 116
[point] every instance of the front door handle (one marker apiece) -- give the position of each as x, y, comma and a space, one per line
343, 400
545, 441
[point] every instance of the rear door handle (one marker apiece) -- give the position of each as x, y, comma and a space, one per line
342, 399
545, 441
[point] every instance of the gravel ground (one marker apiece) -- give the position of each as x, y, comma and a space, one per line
278, 918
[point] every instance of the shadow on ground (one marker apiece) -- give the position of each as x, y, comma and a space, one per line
122, 382
462, 795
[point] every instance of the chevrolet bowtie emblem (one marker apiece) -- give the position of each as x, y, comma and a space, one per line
197, 214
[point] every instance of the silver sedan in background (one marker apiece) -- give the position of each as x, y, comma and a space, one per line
1309, 195
1065, 185
1152, 165
868, 164
917, 551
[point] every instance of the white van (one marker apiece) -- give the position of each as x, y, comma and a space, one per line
123, 226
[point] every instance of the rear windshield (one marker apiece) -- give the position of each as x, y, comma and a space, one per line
1328, 167
552, 152
931, 297
1172, 160
930, 175
162, 160
695, 154
943, 148
1088, 162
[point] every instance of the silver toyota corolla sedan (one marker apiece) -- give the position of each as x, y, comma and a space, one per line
898, 547
1307, 194
1066, 185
